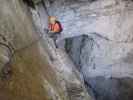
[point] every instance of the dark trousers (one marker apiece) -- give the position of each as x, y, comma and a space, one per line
54, 36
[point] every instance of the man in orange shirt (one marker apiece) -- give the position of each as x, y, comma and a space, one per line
55, 28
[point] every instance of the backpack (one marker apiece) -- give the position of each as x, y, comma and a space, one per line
61, 28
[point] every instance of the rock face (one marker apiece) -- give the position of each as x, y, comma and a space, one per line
28, 72
109, 23
26, 79
66, 71
106, 49
112, 89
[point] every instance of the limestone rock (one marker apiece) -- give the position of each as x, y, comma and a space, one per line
32, 76
109, 24
106, 50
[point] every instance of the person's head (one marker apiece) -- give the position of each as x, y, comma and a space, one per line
52, 19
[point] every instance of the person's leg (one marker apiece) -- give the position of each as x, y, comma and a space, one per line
50, 34
55, 38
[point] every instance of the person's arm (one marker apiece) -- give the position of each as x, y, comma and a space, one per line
50, 28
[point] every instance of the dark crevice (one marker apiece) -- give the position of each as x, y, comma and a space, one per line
81, 40
29, 3
44, 5
51, 1
92, 0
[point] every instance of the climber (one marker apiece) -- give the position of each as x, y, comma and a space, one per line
55, 28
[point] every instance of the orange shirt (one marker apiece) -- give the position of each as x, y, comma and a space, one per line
54, 27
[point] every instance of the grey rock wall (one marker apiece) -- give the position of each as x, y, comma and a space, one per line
68, 76
105, 57
109, 23
31, 75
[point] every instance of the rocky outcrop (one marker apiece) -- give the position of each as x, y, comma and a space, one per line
59, 60
28, 73
109, 24
106, 50
111, 89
